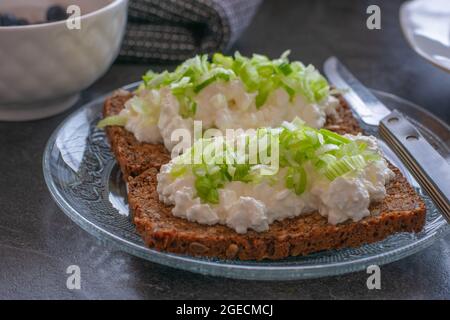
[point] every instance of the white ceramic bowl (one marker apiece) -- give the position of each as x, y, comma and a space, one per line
43, 67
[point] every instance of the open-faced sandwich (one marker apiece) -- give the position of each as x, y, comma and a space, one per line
294, 177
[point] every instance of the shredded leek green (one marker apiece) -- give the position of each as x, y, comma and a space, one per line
112, 121
302, 150
259, 74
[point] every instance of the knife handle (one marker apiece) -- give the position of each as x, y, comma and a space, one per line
430, 169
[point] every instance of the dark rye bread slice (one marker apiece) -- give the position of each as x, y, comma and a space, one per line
135, 157
401, 211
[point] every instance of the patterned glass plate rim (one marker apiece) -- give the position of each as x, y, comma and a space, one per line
85, 182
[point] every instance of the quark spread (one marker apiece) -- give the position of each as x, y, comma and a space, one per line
221, 105
255, 205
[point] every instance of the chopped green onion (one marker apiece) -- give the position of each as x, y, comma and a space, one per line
178, 171
116, 120
301, 148
344, 165
258, 73
333, 137
206, 190
326, 148
296, 179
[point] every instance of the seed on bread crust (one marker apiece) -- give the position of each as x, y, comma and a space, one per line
198, 248
232, 251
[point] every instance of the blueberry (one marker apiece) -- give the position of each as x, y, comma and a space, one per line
56, 13
8, 19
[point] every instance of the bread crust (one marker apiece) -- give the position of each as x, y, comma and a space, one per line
401, 211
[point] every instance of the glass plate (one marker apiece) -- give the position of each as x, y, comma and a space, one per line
83, 178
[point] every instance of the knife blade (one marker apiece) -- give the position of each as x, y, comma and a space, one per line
362, 101
430, 169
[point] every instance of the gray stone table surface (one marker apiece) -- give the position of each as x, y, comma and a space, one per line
38, 242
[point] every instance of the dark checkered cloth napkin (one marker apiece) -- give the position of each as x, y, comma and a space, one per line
175, 30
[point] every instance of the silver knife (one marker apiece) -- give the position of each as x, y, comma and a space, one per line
430, 169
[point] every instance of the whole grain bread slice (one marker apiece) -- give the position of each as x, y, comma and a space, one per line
135, 157
401, 211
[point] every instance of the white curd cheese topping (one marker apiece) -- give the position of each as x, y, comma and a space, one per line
255, 205
244, 206
221, 105
142, 114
